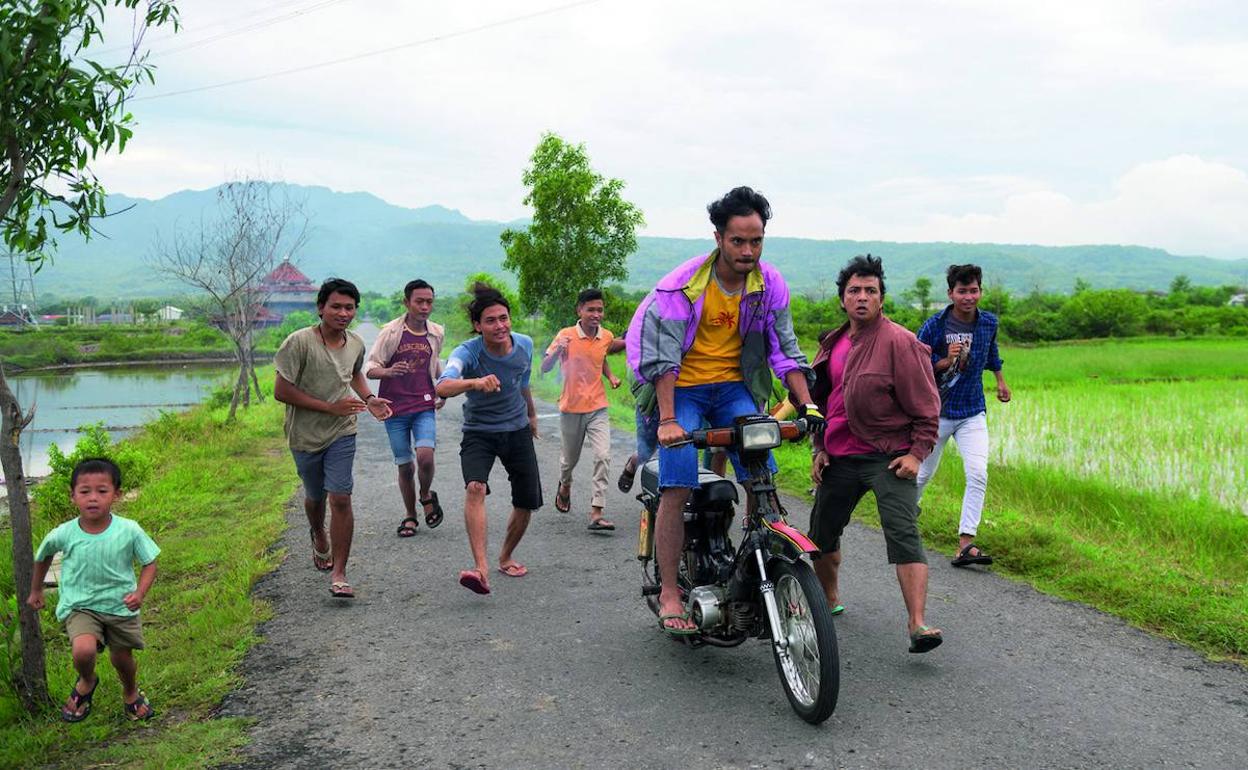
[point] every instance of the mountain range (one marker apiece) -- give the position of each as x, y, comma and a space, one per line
381, 246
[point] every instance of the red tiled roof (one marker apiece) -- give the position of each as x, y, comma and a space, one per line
287, 278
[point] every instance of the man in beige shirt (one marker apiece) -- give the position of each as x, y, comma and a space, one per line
320, 379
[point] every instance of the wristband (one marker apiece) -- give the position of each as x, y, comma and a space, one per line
370, 397
669, 419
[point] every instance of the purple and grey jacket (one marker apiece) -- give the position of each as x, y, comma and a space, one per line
666, 321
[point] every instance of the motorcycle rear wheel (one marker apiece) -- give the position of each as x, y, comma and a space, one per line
809, 666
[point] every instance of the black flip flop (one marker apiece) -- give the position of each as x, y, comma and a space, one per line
408, 530
921, 641
601, 525
625, 482
132, 709
966, 558
80, 700
433, 518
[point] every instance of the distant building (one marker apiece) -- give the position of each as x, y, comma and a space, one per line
169, 313
287, 290
1239, 300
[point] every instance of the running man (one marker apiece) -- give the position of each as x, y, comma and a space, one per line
407, 358
709, 337
321, 381
500, 422
876, 381
581, 351
963, 340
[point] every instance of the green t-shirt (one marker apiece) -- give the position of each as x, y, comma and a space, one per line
97, 571
305, 361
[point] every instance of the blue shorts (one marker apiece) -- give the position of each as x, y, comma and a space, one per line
419, 429
328, 470
717, 404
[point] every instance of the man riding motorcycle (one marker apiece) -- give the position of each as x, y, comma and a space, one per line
708, 338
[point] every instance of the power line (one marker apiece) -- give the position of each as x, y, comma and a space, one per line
376, 52
248, 28
219, 23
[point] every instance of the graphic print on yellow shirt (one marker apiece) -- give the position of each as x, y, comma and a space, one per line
716, 352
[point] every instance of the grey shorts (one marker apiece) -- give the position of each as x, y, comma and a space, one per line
329, 470
845, 481
121, 632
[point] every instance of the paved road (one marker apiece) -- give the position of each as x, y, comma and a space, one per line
566, 668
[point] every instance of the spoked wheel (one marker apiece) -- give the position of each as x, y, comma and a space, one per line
809, 666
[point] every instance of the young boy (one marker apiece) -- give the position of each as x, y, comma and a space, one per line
99, 600
581, 351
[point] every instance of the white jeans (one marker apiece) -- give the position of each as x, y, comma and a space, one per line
971, 435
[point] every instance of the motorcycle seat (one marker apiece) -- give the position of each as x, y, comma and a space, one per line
712, 488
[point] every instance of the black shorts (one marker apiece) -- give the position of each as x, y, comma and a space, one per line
515, 450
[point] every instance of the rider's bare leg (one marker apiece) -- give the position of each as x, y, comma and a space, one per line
913, 580
669, 537
828, 567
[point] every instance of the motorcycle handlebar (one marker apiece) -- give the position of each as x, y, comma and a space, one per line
790, 430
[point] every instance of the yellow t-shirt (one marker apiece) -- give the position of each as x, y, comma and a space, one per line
716, 352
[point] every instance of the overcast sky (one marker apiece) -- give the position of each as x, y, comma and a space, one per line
1106, 121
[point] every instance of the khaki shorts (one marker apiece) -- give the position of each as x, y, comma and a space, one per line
121, 632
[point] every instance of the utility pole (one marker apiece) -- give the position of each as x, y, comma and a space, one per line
23, 289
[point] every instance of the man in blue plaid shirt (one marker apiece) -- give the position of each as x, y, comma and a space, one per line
963, 340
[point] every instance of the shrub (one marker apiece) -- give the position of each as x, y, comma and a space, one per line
52, 496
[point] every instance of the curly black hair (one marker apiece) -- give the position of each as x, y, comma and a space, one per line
738, 202
861, 265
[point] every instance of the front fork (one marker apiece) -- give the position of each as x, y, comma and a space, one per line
768, 590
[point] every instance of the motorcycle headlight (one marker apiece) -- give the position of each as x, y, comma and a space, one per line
760, 435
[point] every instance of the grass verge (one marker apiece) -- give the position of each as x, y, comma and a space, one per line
214, 504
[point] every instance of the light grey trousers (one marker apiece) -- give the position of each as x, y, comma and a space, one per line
576, 430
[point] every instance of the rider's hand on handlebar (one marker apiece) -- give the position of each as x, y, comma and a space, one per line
671, 433
816, 423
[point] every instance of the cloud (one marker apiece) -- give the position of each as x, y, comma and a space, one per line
1184, 204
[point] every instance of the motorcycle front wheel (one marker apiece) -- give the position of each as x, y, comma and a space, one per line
809, 666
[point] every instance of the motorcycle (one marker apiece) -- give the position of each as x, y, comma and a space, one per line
761, 589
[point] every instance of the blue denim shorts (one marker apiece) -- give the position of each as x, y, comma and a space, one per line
329, 470
419, 429
716, 404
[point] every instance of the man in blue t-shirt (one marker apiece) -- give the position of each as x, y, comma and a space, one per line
500, 421
963, 340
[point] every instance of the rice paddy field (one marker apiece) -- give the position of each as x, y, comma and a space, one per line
1118, 478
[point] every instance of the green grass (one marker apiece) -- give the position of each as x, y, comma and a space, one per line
57, 345
214, 504
1141, 359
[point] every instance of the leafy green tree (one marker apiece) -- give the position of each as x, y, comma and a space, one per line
59, 110
581, 234
1105, 313
1180, 285
920, 294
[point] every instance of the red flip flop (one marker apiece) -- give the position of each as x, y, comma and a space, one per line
474, 581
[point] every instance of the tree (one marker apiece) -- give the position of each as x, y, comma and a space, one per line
58, 111
257, 223
921, 294
1181, 284
581, 235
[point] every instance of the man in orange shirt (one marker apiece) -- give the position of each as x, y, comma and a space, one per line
581, 351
